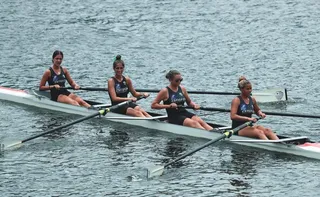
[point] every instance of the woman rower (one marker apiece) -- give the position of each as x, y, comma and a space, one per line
119, 86
175, 95
242, 108
56, 77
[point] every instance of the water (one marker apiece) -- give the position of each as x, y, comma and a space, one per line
212, 43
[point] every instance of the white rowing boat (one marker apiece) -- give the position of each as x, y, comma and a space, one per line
301, 146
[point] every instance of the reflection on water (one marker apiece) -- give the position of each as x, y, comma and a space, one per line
116, 140
174, 148
52, 123
244, 163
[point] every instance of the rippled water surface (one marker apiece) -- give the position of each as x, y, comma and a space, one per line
212, 43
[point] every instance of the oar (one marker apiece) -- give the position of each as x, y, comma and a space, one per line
100, 112
86, 88
270, 92
266, 112
157, 171
276, 94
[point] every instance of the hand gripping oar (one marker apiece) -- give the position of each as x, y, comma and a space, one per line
157, 171
100, 112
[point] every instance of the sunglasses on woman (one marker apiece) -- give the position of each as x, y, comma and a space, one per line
177, 80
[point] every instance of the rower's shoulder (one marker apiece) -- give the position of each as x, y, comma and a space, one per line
253, 99
163, 90
127, 78
183, 88
65, 70
110, 80
236, 100
47, 72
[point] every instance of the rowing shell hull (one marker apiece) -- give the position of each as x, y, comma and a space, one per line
22, 97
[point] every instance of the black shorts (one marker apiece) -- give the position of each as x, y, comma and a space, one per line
123, 109
179, 118
55, 94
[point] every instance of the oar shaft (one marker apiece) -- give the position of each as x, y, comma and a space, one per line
195, 150
193, 92
156, 91
88, 89
223, 136
291, 114
60, 127
208, 108
100, 112
266, 112
95, 89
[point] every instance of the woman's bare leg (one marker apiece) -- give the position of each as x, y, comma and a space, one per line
202, 123
79, 100
192, 123
253, 132
65, 99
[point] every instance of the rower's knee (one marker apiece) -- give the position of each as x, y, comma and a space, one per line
197, 118
268, 132
138, 108
139, 114
260, 133
80, 101
134, 112
75, 103
194, 124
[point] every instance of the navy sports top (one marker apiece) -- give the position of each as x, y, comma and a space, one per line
177, 98
121, 89
243, 110
57, 79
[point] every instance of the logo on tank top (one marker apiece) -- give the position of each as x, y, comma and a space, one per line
244, 109
120, 90
178, 99
57, 80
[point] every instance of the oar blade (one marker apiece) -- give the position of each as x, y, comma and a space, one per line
155, 171
1, 149
271, 95
13, 145
10, 146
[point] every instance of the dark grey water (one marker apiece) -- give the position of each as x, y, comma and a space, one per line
273, 43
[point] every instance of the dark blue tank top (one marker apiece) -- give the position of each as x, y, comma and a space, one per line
55, 79
175, 97
243, 110
121, 89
